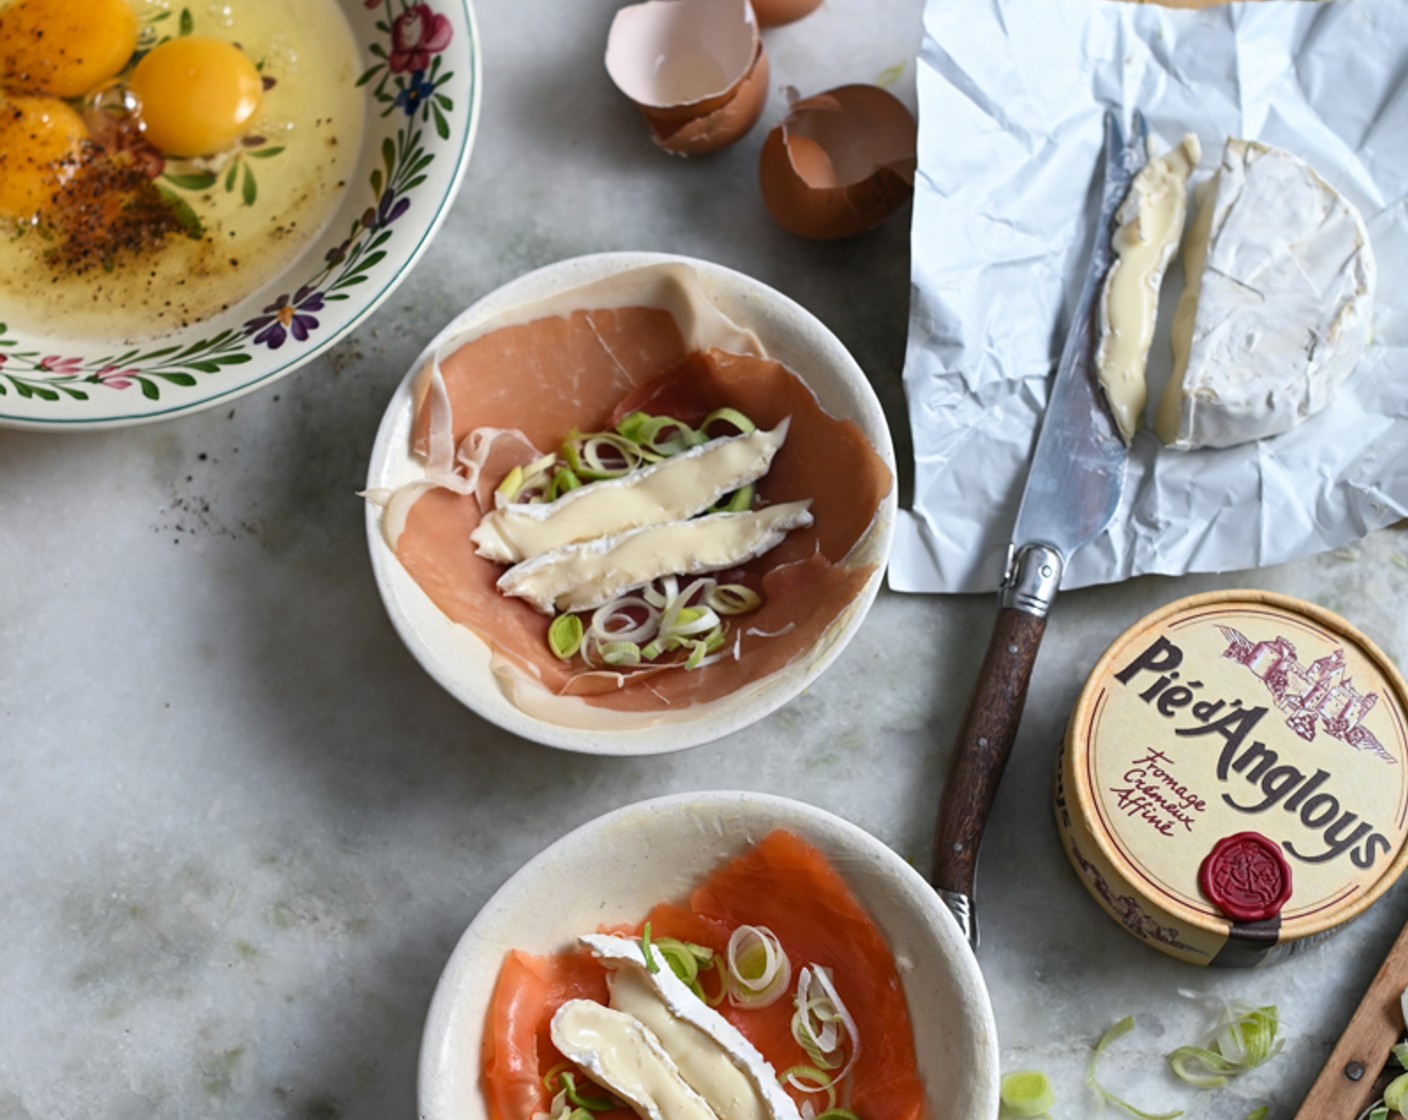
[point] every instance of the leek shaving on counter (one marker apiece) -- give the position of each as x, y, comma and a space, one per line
1026, 1093
1123, 1027
1243, 1039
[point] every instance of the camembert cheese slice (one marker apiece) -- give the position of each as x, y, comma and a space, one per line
1276, 308
713, 1056
579, 577
671, 490
620, 1052
1150, 227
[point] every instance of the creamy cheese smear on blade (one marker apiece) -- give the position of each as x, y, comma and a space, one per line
671, 490
1276, 311
1151, 222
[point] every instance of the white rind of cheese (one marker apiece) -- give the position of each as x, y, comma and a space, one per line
670, 490
1151, 219
712, 1054
583, 576
1276, 311
620, 1052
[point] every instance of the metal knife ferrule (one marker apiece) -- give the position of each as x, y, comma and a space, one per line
961, 907
1033, 578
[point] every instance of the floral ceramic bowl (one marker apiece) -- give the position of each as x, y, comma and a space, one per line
419, 77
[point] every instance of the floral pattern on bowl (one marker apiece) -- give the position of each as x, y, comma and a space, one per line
422, 80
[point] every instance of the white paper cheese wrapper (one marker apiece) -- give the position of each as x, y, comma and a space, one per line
1012, 95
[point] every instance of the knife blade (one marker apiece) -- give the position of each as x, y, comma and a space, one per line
1072, 491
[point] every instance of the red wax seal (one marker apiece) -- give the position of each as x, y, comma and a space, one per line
1246, 877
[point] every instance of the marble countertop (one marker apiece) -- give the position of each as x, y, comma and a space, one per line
240, 829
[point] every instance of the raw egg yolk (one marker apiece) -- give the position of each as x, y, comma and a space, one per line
41, 146
64, 47
198, 96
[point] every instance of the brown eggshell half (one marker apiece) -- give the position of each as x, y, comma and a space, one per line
695, 69
840, 163
720, 127
774, 13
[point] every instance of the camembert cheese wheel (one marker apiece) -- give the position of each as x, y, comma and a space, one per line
1234, 782
1276, 307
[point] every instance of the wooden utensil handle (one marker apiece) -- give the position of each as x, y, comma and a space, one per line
983, 746
1345, 1087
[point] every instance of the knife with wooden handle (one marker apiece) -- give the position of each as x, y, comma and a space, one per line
1072, 491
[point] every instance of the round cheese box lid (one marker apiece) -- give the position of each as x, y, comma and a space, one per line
1235, 777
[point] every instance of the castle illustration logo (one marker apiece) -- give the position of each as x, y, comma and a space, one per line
1316, 697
